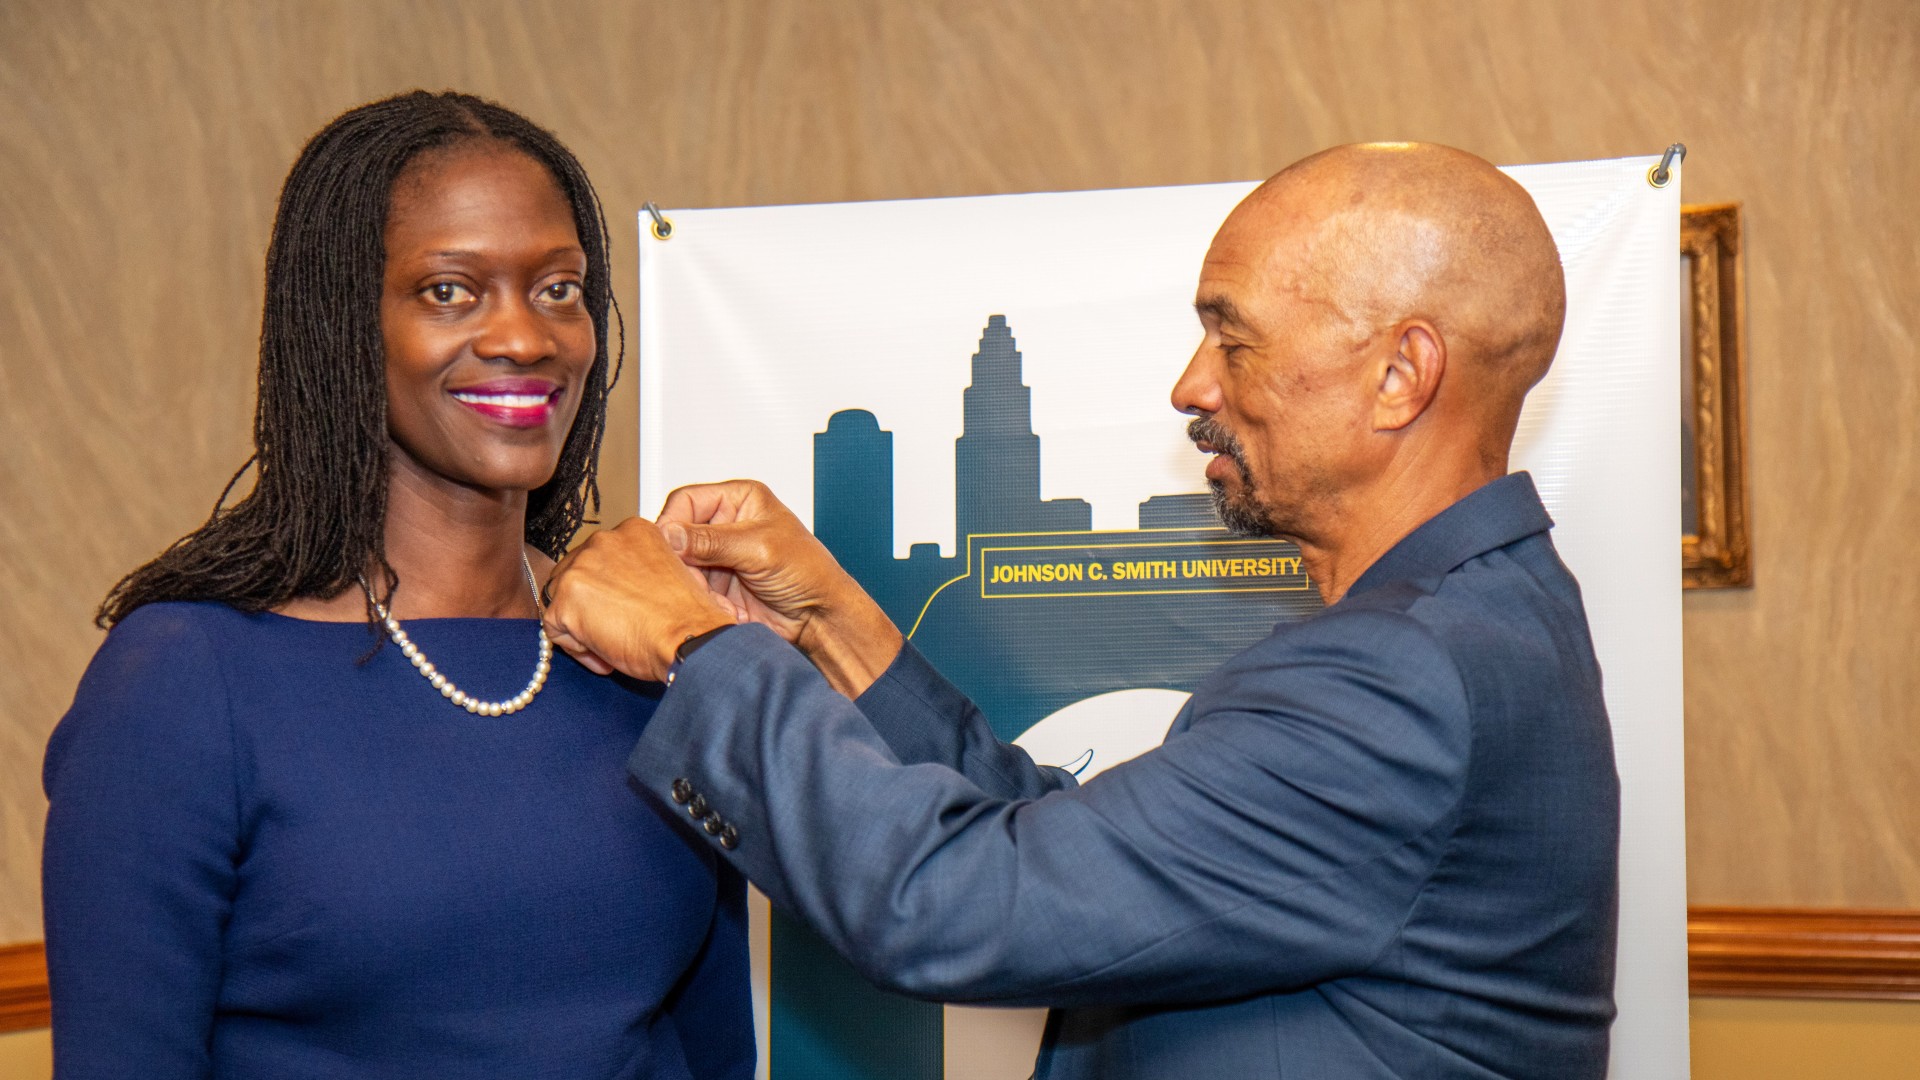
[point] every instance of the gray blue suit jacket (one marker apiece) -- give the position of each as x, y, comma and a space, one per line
1380, 843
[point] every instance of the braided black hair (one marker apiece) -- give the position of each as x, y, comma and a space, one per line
316, 518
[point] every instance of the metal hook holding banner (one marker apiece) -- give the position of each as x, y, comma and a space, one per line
663, 226
1658, 175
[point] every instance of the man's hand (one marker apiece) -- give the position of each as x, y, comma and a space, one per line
622, 601
758, 556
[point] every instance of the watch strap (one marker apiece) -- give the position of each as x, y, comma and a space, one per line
689, 647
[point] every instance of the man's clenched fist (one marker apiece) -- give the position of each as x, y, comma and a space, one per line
623, 601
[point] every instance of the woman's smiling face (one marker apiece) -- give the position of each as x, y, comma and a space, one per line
483, 312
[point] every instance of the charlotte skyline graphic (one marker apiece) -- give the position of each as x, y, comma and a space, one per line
1034, 611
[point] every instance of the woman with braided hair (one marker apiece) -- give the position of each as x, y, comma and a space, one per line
326, 804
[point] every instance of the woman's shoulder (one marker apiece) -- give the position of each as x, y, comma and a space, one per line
175, 643
156, 681
183, 649
197, 637
178, 622
183, 622
169, 632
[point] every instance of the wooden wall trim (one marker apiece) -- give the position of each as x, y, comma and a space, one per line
1731, 952
23, 987
1803, 953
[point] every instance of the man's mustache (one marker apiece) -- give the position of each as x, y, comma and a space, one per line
1206, 429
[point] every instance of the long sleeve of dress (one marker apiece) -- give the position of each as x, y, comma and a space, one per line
141, 845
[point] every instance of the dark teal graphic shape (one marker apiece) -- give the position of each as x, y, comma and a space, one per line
1022, 647
829, 1023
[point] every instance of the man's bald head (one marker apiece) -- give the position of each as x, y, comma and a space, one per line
1374, 316
1391, 231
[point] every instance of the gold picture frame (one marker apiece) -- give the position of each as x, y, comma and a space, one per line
1715, 552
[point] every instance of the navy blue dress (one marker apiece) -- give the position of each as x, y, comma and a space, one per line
269, 856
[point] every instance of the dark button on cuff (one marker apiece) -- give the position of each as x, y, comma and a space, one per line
713, 824
729, 839
698, 807
681, 790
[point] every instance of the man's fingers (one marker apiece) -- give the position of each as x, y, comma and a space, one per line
701, 579
739, 546
587, 657
562, 638
622, 601
702, 504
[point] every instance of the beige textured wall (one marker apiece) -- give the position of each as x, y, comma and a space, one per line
142, 144
1760, 1039
26, 1055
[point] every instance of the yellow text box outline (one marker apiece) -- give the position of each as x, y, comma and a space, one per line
1304, 585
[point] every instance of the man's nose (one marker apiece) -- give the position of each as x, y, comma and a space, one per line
1197, 391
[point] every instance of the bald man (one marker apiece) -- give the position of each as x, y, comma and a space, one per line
1379, 843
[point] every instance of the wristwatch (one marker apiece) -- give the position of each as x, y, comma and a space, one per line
689, 647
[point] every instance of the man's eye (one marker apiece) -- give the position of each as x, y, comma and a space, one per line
562, 292
448, 292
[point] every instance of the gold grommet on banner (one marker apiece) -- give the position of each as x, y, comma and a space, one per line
1658, 175
662, 225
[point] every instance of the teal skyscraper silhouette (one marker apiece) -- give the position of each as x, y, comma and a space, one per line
853, 489
996, 461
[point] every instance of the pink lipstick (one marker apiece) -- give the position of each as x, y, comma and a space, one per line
521, 403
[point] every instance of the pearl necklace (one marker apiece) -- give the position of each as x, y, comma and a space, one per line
445, 685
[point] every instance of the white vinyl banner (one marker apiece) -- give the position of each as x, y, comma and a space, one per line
935, 384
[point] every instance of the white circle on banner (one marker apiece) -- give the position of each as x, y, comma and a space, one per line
1112, 727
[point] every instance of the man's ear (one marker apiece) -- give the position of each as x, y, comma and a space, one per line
1410, 376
